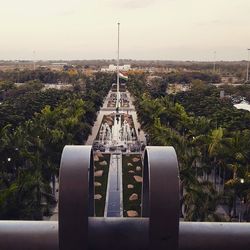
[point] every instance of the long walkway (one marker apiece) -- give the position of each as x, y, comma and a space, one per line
114, 197
105, 110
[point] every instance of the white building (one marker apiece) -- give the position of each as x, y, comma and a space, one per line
174, 88
113, 68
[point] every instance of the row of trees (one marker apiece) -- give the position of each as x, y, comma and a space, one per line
213, 158
204, 100
17, 109
159, 83
30, 157
43, 75
32, 139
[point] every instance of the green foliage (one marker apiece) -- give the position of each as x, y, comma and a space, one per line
211, 138
102, 190
221, 113
43, 75
128, 179
34, 129
20, 108
6, 85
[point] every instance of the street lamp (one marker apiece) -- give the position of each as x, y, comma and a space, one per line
247, 78
214, 62
242, 181
34, 60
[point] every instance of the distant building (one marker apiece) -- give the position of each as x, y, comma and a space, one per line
222, 94
157, 69
58, 86
113, 68
150, 78
59, 63
229, 79
178, 87
58, 66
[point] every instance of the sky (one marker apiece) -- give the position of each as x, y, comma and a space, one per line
149, 30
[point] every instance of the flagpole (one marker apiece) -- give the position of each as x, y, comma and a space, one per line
118, 55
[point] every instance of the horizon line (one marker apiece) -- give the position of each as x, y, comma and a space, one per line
122, 59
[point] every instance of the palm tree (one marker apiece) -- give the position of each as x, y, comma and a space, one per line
238, 163
201, 202
214, 149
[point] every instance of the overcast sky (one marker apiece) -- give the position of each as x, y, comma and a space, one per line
150, 29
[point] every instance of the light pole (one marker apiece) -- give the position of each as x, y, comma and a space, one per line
18, 73
214, 62
34, 60
247, 78
242, 181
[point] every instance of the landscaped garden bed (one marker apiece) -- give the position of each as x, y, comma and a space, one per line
101, 164
132, 184
122, 87
112, 100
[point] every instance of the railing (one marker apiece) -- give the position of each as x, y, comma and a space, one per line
158, 228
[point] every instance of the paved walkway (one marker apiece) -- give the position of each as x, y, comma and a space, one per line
105, 110
95, 128
114, 203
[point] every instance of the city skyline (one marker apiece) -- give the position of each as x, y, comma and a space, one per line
150, 30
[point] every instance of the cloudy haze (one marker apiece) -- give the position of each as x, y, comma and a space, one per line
150, 29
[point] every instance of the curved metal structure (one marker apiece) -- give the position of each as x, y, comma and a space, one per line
158, 228
76, 197
160, 197
121, 233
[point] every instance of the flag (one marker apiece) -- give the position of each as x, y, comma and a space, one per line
122, 76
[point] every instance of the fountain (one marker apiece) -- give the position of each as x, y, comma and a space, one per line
105, 133
119, 135
126, 132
